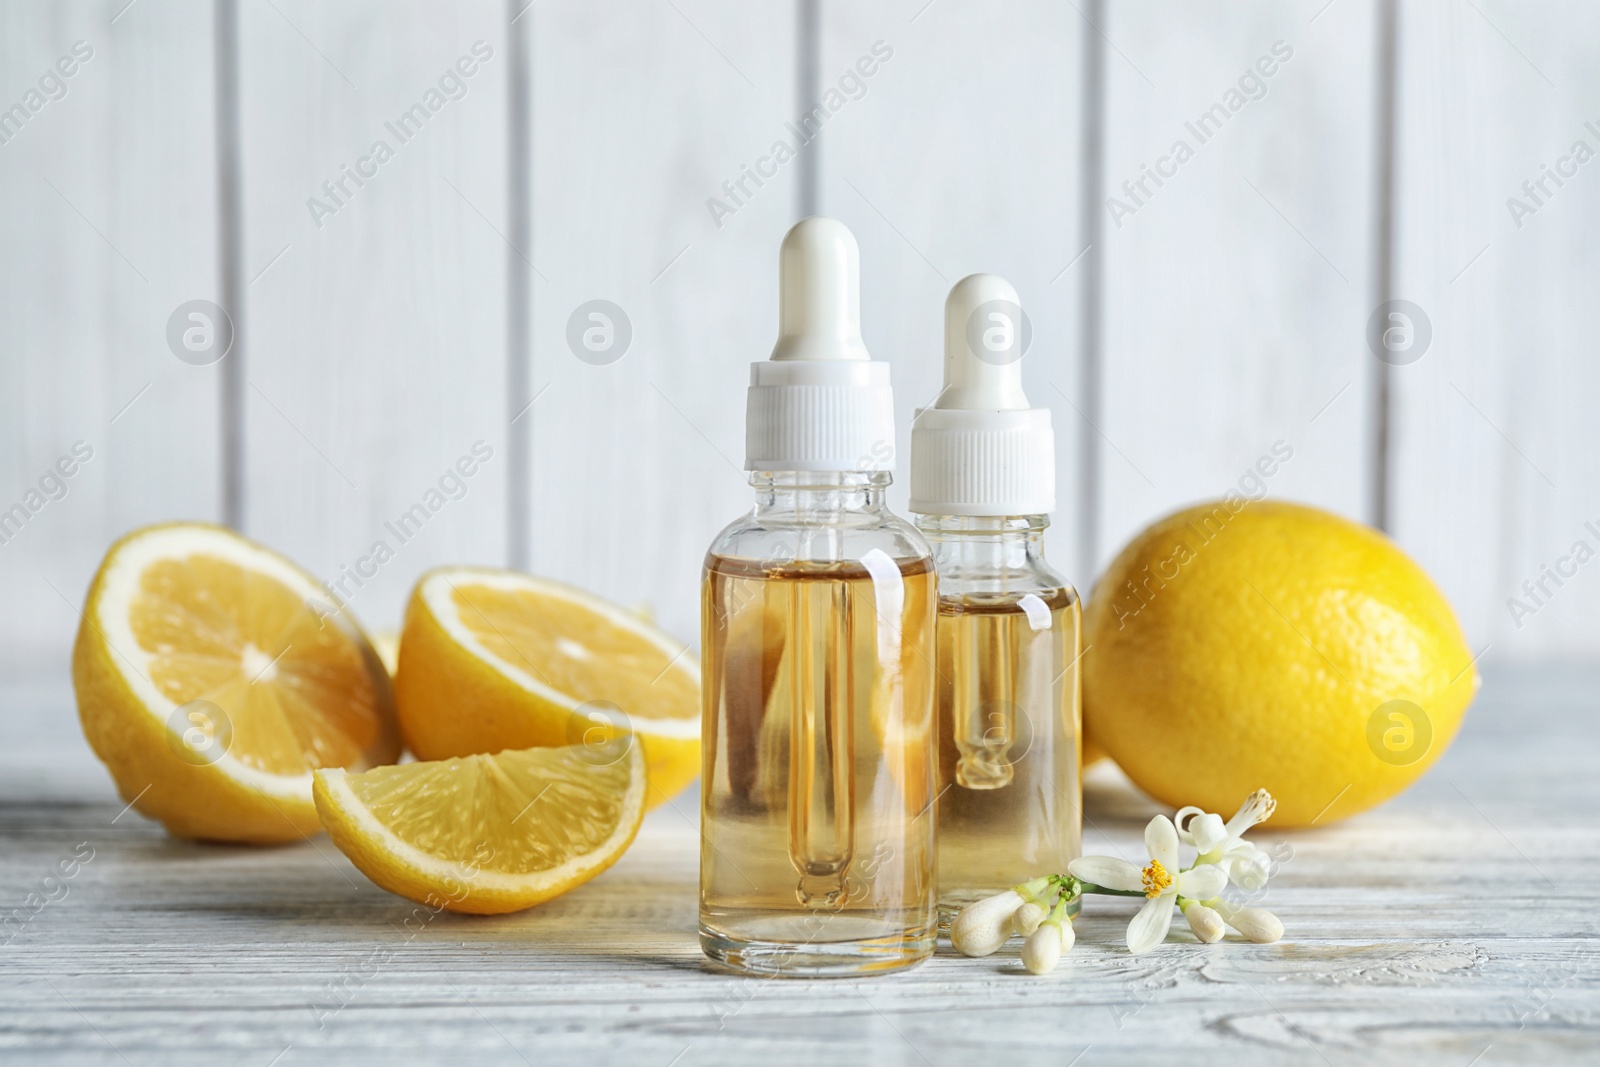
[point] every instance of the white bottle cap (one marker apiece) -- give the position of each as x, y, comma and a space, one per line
981, 450
821, 403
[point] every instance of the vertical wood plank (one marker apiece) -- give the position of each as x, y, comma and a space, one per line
109, 181
1496, 467
641, 113
1238, 276
961, 155
374, 189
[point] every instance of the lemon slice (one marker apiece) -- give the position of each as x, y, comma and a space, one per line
487, 834
493, 660
213, 677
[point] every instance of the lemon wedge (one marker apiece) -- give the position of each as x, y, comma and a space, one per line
488, 834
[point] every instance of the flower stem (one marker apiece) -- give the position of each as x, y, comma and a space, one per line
1090, 887
1035, 888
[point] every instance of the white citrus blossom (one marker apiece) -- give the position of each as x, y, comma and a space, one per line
1160, 880
1222, 843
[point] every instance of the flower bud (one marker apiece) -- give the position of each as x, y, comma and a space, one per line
1028, 917
1204, 921
1069, 936
982, 927
1258, 924
1042, 951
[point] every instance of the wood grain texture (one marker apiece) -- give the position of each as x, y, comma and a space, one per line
1236, 296
961, 156
1456, 922
377, 338
640, 114
1497, 470
108, 193
1237, 285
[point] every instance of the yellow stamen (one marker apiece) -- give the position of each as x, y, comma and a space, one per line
1156, 879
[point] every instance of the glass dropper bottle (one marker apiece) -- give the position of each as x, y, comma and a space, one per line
817, 828
1008, 630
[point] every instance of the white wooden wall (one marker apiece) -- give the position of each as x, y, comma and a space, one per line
1176, 344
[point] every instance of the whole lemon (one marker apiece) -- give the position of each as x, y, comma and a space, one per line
1237, 645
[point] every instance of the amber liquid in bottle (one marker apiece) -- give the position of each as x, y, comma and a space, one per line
817, 799
1008, 741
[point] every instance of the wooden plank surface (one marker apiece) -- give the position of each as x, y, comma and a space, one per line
959, 154
1237, 294
109, 193
375, 201
1238, 257
1455, 925
1497, 468
640, 114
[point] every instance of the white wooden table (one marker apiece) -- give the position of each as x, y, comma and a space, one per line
1457, 925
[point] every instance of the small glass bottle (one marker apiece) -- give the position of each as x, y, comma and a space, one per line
1008, 631
817, 829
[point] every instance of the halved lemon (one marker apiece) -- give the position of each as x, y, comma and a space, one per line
487, 834
493, 660
213, 676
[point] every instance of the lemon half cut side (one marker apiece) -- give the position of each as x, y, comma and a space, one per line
213, 676
492, 660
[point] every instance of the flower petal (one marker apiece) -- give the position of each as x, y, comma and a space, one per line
1207, 832
1181, 821
1248, 867
1161, 841
1149, 927
1257, 808
1107, 872
1203, 882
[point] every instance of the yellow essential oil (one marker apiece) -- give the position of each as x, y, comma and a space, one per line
816, 811
1008, 718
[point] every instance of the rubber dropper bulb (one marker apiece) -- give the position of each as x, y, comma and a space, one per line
982, 346
819, 297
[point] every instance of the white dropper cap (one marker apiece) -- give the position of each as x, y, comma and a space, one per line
981, 450
821, 403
